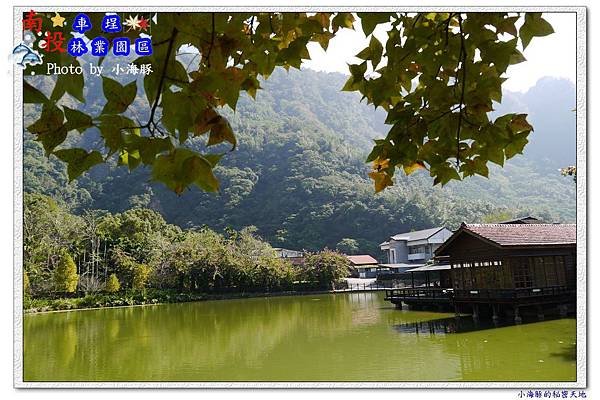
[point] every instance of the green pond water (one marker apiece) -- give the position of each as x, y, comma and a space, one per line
341, 337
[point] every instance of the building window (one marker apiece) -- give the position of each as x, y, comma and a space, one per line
560, 270
551, 275
416, 249
392, 256
522, 274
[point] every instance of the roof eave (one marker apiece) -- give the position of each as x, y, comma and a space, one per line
464, 228
537, 245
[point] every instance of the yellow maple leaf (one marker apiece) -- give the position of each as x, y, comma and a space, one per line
409, 169
379, 164
381, 179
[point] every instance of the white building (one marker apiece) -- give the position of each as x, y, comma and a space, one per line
364, 265
412, 249
287, 253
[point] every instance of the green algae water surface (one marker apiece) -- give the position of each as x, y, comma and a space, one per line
341, 337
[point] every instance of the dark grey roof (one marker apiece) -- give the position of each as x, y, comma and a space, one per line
522, 220
402, 267
418, 235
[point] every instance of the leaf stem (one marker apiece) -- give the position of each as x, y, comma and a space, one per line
212, 39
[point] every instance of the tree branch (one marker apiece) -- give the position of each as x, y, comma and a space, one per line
151, 126
452, 109
271, 24
252, 30
435, 31
448, 27
162, 79
463, 57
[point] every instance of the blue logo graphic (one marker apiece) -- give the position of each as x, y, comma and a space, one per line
121, 46
82, 23
25, 55
100, 46
111, 23
76, 47
143, 46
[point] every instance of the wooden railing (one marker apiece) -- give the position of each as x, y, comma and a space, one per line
501, 294
435, 293
418, 292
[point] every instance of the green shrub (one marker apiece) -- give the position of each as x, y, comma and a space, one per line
113, 285
26, 287
326, 267
141, 274
65, 274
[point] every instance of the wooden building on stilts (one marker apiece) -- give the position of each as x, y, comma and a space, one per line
504, 269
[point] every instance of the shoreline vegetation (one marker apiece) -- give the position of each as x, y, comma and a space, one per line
153, 297
100, 259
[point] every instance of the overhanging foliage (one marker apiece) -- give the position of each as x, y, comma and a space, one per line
437, 76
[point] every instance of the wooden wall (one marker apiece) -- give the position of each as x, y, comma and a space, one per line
510, 272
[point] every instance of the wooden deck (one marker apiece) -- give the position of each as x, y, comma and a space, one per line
418, 296
433, 296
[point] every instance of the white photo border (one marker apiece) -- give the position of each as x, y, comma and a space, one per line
581, 123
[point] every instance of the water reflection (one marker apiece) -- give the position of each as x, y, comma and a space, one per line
344, 337
567, 353
460, 324
441, 326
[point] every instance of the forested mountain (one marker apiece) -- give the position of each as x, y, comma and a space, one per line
551, 106
298, 173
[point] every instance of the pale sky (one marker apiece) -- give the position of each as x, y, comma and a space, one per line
553, 55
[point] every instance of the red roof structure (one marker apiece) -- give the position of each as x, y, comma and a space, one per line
525, 234
363, 259
518, 235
